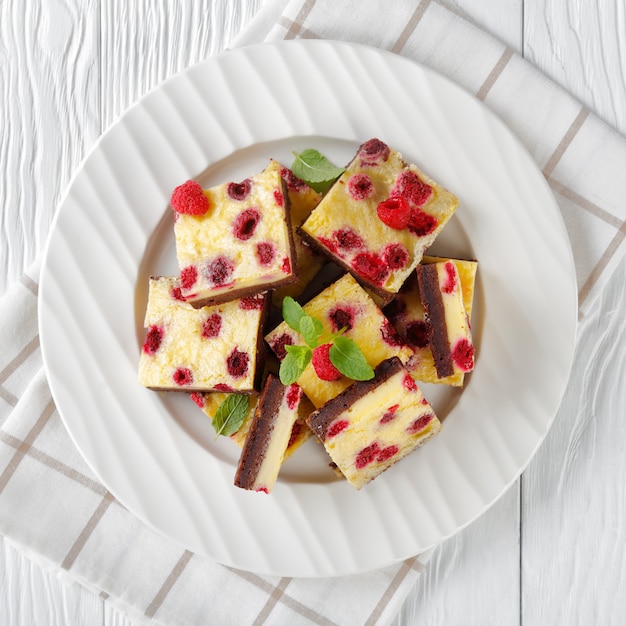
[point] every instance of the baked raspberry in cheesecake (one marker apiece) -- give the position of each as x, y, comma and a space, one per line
300, 432
269, 435
373, 424
448, 322
379, 217
344, 304
302, 200
212, 348
406, 313
234, 239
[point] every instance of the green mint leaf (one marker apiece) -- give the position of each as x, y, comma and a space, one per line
292, 313
294, 363
315, 169
230, 414
347, 357
310, 329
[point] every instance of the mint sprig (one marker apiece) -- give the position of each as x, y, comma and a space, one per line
292, 313
344, 353
315, 169
230, 414
294, 363
347, 357
311, 329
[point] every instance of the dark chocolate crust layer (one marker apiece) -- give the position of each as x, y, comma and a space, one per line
320, 420
435, 314
227, 296
258, 438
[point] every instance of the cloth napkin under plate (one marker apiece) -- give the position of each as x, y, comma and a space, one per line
51, 505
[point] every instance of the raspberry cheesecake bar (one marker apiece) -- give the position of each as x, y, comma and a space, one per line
212, 348
449, 331
379, 217
270, 434
234, 239
342, 305
373, 424
406, 312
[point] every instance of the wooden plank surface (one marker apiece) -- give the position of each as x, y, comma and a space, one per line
582, 46
551, 551
573, 493
49, 77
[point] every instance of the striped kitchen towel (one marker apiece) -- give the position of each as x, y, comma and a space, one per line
53, 508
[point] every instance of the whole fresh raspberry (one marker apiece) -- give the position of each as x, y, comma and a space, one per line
395, 212
189, 198
322, 364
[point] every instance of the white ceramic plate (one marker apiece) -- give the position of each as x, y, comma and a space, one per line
222, 120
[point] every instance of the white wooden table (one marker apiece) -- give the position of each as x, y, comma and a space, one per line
553, 549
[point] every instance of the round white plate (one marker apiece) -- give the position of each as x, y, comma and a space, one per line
222, 120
